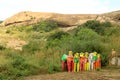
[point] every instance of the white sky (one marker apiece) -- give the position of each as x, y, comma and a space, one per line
10, 7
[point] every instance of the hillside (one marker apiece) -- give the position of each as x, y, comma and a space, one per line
28, 17
26, 52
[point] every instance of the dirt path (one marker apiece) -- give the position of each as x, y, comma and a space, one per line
84, 75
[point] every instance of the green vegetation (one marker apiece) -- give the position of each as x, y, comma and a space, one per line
46, 26
2, 47
96, 26
46, 44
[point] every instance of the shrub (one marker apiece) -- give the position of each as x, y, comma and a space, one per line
112, 31
85, 40
104, 59
53, 62
96, 26
88, 40
18, 67
53, 68
20, 28
28, 28
35, 35
106, 24
54, 39
2, 47
83, 46
92, 24
46, 26
87, 34
32, 46
7, 31
57, 35
52, 43
3, 77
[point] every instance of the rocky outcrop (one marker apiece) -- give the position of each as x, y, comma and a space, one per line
28, 18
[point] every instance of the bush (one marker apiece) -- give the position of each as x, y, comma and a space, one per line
85, 40
7, 31
87, 34
18, 67
3, 77
106, 24
53, 63
83, 46
53, 68
112, 31
96, 26
2, 47
32, 46
46, 26
28, 28
54, 39
57, 35
104, 60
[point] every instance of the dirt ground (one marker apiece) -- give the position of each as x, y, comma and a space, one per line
83, 75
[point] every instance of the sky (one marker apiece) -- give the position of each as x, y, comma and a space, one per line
11, 7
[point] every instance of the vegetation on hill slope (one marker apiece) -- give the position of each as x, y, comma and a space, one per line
43, 51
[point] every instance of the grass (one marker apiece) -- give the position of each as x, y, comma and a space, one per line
4, 60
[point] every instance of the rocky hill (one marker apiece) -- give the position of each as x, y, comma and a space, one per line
28, 17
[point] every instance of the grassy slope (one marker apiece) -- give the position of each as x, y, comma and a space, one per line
42, 60
30, 62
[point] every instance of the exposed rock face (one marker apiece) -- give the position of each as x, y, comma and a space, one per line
27, 18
